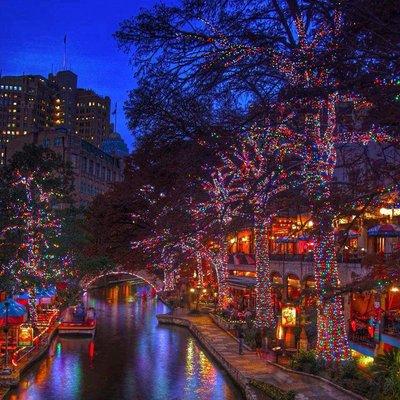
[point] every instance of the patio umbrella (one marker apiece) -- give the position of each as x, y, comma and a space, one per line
22, 298
385, 230
51, 290
286, 239
348, 234
44, 296
16, 313
304, 237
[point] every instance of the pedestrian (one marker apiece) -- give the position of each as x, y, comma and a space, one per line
240, 334
258, 341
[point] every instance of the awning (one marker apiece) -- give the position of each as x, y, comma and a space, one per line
238, 259
241, 282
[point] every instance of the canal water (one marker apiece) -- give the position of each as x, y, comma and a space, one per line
130, 358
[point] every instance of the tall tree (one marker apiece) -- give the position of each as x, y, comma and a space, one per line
258, 170
35, 182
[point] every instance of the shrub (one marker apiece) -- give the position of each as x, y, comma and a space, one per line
386, 372
349, 370
306, 361
272, 391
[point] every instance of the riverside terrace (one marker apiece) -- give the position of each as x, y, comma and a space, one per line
373, 319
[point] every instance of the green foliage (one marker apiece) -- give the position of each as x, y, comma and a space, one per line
349, 370
33, 185
306, 361
386, 373
272, 391
75, 240
50, 170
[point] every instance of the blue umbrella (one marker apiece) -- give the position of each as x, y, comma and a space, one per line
15, 312
42, 293
286, 239
384, 230
51, 290
23, 296
304, 237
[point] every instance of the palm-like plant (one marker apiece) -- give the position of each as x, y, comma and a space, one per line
386, 371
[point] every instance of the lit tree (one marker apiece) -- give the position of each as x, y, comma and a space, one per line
294, 53
37, 227
257, 174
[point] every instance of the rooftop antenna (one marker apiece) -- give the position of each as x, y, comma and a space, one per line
115, 117
65, 53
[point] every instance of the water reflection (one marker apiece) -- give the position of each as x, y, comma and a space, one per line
131, 358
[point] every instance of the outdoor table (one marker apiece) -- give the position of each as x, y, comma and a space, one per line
291, 351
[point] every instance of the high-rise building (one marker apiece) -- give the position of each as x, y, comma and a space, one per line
26, 105
92, 116
32, 103
65, 92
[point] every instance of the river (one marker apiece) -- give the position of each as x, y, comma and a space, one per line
130, 358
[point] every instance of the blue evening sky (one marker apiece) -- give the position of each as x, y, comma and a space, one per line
31, 42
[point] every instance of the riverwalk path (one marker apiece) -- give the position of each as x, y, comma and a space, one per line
249, 366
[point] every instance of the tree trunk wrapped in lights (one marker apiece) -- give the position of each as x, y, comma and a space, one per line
264, 308
318, 171
200, 272
332, 343
218, 258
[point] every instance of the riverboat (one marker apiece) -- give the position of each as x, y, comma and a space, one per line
78, 321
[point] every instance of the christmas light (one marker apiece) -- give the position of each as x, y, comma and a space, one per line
34, 219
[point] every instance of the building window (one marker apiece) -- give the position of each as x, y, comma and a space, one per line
84, 164
74, 160
46, 143
91, 167
57, 141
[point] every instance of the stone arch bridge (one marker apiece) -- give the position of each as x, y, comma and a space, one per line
122, 272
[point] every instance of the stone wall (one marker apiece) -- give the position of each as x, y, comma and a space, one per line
235, 374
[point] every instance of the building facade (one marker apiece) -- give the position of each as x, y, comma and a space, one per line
372, 315
94, 171
64, 84
92, 117
26, 105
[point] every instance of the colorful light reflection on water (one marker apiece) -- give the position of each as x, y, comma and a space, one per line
131, 358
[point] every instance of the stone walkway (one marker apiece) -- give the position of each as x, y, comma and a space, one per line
253, 367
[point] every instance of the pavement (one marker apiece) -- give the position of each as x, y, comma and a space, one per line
254, 367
